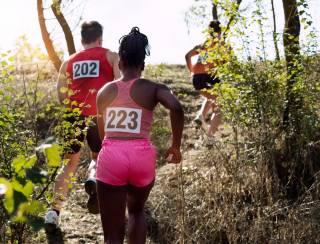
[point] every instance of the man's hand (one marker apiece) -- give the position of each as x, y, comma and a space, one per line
173, 155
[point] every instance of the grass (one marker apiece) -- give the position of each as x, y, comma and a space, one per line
218, 195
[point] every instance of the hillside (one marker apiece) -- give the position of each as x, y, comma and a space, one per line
215, 196
77, 225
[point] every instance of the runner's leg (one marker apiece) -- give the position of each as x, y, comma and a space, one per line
215, 121
72, 146
112, 204
137, 227
92, 165
210, 104
61, 187
94, 143
205, 108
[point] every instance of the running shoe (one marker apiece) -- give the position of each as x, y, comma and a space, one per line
51, 220
90, 187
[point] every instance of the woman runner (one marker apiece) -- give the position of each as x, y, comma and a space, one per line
202, 80
127, 161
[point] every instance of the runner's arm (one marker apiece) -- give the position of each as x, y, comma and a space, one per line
169, 101
104, 97
189, 55
113, 59
62, 83
100, 121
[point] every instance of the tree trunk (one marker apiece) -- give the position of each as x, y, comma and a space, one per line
231, 18
275, 32
292, 51
56, 9
214, 12
295, 174
46, 37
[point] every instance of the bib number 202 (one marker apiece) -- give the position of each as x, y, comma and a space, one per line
123, 120
86, 68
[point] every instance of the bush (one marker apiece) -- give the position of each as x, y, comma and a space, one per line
28, 164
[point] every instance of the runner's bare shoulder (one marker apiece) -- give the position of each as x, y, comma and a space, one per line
112, 57
107, 93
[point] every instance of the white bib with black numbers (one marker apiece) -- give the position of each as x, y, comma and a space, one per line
85, 69
120, 119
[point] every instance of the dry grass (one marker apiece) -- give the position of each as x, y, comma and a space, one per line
228, 201
217, 195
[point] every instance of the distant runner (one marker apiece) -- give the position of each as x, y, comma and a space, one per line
84, 73
202, 79
127, 161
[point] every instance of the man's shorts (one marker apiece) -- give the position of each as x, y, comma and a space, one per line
204, 81
127, 162
77, 128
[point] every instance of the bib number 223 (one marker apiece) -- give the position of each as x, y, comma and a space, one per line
123, 120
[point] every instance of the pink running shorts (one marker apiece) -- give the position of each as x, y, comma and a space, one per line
123, 162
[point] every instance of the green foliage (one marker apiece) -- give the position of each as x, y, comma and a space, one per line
255, 94
26, 116
154, 71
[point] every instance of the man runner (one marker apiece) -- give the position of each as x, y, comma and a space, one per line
84, 73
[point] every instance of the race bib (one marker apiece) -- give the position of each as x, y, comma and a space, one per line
123, 120
85, 68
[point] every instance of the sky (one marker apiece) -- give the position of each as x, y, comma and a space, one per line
162, 21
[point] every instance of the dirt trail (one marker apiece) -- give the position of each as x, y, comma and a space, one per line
77, 225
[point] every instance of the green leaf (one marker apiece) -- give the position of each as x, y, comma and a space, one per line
18, 198
28, 189
36, 207
7, 190
63, 90
11, 59
18, 162
4, 72
53, 155
31, 162
16, 185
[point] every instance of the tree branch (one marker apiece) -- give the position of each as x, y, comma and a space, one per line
46, 37
56, 9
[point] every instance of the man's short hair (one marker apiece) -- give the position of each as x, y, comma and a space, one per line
91, 31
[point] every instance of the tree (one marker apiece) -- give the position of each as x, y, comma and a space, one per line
223, 11
230, 22
214, 11
298, 171
46, 37
292, 54
57, 11
274, 34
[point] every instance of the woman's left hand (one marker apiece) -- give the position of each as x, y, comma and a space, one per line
173, 155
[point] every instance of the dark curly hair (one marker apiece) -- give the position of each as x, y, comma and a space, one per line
215, 26
133, 48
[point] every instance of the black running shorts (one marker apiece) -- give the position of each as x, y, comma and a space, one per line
204, 81
75, 131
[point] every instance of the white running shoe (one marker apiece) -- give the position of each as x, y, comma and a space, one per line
51, 219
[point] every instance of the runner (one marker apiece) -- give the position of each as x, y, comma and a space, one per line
127, 160
202, 79
84, 73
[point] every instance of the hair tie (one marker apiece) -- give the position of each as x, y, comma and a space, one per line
135, 30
